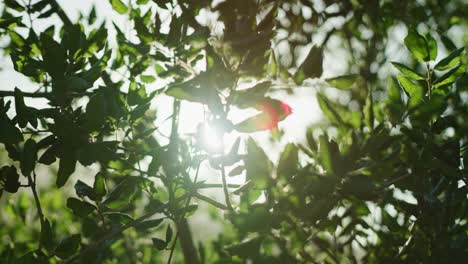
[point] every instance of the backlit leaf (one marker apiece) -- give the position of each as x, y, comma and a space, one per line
451, 60
450, 77
406, 71
417, 45
288, 161
342, 82
99, 187
119, 6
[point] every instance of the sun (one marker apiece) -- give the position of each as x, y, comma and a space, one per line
212, 138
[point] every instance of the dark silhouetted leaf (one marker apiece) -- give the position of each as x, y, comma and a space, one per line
168, 234
83, 190
122, 194
55, 58
28, 157
66, 168
246, 248
311, 67
47, 237
80, 208
68, 246
159, 243
10, 178
143, 226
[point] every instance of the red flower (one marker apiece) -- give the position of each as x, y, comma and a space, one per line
273, 111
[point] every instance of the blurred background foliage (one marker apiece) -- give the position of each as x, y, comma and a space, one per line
381, 178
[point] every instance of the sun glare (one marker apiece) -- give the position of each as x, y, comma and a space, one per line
212, 138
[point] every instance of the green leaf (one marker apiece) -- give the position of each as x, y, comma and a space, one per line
325, 152
147, 78
7, 22
432, 47
257, 164
429, 110
342, 82
17, 39
119, 6
450, 77
148, 224
187, 93
250, 97
414, 91
136, 94
28, 157
68, 246
154, 166
311, 67
310, 139
159, 243
99, 187
236, 171
406, 71
287, 164
328, 109
417, 45
92, 15
451, 60
80, 208
122, 194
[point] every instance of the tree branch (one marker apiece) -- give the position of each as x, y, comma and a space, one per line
25, 94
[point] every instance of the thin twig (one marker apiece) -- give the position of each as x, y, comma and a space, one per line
210, 201
32, 184
225, 189
217, 185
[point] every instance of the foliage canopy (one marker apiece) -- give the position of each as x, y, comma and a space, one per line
382, 179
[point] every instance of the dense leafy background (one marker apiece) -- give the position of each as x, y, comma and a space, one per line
87, 175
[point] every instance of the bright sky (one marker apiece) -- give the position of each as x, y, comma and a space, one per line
305, 108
